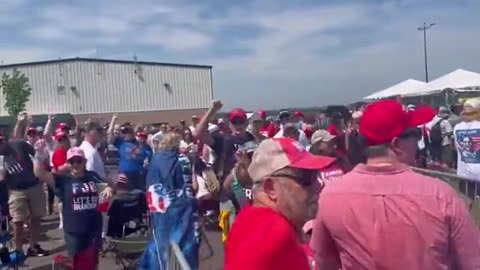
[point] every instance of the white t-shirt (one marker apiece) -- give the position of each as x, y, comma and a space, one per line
467, 142
94, 160
446, 129
302, 138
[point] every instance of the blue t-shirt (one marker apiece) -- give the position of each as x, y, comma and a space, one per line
79, 196
132, 154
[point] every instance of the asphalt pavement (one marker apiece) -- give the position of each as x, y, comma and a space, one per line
211, 256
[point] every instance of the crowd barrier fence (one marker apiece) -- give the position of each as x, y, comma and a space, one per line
468, 189
176, 259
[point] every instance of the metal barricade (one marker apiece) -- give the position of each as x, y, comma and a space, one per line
176, 259
468, 189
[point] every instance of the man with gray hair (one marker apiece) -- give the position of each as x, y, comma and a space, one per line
285, 193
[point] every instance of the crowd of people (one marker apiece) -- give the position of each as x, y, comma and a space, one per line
335, 192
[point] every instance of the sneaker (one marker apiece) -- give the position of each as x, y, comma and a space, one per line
37, 251
17, 257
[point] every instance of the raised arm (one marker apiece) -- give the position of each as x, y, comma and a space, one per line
29, 122
48, 130
19, 125
202, 127
39, 164
110, 135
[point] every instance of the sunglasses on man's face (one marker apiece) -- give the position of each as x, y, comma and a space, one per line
305, 178
238, 121
75, 160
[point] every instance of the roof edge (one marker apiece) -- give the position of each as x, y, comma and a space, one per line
98, 60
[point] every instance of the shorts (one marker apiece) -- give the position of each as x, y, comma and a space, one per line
229, 207
447, 153
27, 203
83, 249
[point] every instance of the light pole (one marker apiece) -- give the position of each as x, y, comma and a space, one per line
424, 28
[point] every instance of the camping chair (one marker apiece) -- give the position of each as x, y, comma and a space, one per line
126, 216
6, 241
128, 251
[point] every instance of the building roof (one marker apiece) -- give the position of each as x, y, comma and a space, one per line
108, 61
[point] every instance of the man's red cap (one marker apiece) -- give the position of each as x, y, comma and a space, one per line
277, 153
62, 126
262, 113
384, 120
237, 113
60, 135
141, 134
298, 114
31, 130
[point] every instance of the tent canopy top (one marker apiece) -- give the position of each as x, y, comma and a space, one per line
407, 87
457, 79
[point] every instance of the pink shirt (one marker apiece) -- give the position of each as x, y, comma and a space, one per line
392, 218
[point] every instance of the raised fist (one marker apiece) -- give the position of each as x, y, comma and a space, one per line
22, 117
217, 105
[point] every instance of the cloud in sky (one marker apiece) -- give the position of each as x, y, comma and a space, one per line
265, 54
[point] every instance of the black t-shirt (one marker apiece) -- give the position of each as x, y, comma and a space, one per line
356, 149
79, 196
225, 147
19, 166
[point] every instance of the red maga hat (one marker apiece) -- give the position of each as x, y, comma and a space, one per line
237, 113
384, 120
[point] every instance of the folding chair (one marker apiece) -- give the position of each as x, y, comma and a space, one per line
128, 251
6, 241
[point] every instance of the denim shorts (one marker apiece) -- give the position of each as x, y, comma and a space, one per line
77, 242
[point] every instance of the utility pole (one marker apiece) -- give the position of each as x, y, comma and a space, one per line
424, 28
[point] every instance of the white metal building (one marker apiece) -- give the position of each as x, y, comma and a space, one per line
83, 86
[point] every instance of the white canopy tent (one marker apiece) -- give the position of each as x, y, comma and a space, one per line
459, 80
407, 87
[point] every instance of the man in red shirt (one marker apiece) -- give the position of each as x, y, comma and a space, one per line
59, 162
268, 129
382, 215
59, 156
285, 192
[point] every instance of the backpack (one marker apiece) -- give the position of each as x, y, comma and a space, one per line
436, 137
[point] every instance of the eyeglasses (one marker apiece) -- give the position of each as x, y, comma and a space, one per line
75, 160
238, 121
305, 178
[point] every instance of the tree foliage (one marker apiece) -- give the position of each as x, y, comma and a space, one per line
16, 91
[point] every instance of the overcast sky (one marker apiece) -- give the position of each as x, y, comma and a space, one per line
265, 53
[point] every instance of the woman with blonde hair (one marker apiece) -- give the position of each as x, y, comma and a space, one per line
173, 205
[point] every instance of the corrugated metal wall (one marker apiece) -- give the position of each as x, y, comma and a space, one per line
85, 87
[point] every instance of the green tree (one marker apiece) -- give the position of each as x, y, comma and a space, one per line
16, 92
